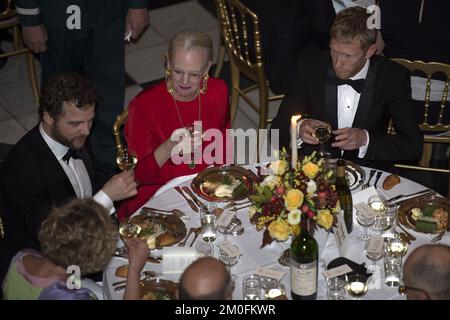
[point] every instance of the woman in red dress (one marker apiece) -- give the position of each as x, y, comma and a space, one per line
171, 107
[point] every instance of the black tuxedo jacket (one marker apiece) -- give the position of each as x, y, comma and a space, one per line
386, 95
31, 182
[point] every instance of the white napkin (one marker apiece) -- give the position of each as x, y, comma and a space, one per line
363, 195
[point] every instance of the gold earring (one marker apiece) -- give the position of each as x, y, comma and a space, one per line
204, 87
168, 82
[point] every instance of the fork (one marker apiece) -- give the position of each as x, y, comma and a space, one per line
182, 243
367, 184
235, 203
438, 237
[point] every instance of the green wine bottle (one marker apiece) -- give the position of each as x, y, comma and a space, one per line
345, 196
304, 264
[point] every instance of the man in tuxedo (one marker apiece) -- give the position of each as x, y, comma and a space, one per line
50, 165
357, 94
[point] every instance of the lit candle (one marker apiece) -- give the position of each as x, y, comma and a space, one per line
294, 120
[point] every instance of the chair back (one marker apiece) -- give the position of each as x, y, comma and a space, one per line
120, 121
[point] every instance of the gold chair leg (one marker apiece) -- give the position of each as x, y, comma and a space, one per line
263, 114
31, 66
234, 70
220, 60
426, 155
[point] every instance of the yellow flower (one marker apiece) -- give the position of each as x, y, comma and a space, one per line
295, 229
294, 217
279, 166
279, 230
251, 211
325, 218
294, 199
310, 169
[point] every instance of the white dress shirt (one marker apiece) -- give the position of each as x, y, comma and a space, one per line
347, 100
77, 173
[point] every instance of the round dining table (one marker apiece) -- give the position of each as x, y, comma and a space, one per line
254, 257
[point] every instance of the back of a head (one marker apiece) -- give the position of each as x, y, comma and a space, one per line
428, 268
205, 279
189, 39
66, 87
351, 23
79, 233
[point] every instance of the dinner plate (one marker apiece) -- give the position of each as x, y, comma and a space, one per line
355, 174
208, 183
158, 289
421, 202
168, 228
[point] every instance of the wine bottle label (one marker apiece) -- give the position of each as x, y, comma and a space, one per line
303, 278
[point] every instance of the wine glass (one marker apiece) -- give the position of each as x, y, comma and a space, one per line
126, 160
322, 132
374, 256
357, 285
229, 261
365, 222
378, 205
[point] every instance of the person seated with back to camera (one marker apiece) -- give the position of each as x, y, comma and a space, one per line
355, 92
166, 112
80, 234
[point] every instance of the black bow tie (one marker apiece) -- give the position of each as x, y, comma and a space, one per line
358, 85
71, 153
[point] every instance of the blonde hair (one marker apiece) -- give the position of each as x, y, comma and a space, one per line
351, 23
79, 233
188, 39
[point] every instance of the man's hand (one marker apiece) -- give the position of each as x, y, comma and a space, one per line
349, 138
307, 130
35, 38
121, 186
136, 21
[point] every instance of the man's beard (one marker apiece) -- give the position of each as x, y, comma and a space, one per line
58, 136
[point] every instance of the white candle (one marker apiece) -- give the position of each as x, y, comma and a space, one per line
294, 120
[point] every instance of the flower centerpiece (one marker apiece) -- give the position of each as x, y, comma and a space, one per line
286, 192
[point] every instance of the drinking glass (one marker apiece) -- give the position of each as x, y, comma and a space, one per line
379, 206
357, 285
272, 287
365, 222
336, 289
322, 132
206, 249
208, 221
228, 260
396, 246
373, 256
392, 270
251, 288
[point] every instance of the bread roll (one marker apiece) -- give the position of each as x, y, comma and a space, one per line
166, 239
390, 181
122, 271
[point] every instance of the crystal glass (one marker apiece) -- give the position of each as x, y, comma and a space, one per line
336, 289
392, 270
208, 222
251, 288
228, 260
357, 285
365, 222
322, 132
379, 206
371, 255
396, 246
206, 249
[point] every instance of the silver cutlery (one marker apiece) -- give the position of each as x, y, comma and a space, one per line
182, 243
367, 184
235, 203
145, 275
199, 204
379, 173
438, 237
189, 201
409, 235
418, 193
178, 212
243, 207
197, 231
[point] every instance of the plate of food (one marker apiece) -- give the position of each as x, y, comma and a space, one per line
157, 229
158, 289
224, 183
426, 214
354, 173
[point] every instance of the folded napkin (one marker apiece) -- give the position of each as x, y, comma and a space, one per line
357, 268
364, 195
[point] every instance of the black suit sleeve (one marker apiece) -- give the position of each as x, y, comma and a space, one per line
295, 102
406, 144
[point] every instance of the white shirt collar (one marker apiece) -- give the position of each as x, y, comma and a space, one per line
363, 72
58, 149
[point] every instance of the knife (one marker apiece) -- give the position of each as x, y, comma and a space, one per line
192, 195
379, 173
421, 193
189, 201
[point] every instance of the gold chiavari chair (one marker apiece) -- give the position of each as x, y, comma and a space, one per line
242, 40
434, 133
10, 20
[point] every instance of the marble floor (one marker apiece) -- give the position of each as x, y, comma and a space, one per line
144, 65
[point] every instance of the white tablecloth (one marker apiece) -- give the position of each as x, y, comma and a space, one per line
250, 241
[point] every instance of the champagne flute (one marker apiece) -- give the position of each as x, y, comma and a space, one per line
322, 132
126, 160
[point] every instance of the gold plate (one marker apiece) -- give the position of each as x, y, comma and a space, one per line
206, 183
404, 210
355, 174
158, 289
146, 222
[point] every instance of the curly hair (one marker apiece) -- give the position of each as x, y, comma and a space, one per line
79, 233
351, 23
66, 87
